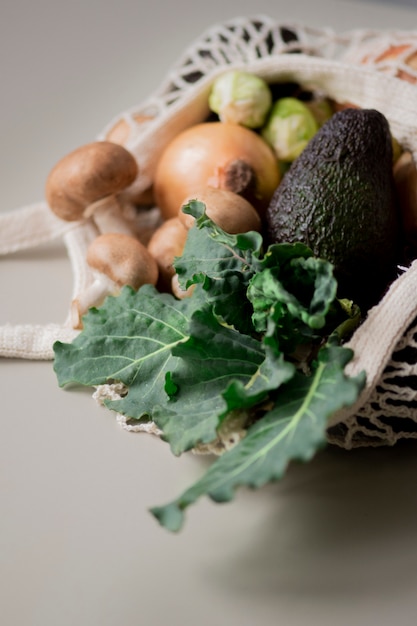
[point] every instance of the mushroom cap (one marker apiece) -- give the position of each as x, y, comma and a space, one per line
232, 212
122, 258
167, 242
90, 173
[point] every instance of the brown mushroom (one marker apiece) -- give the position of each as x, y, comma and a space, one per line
227, 209
120, 133
178, 291
117, 260
86, 183
166, 243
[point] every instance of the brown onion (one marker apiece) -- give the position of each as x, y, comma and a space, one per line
216, 154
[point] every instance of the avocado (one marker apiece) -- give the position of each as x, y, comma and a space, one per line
338, 197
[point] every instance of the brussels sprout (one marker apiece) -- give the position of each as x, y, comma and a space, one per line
240, 97
289, 128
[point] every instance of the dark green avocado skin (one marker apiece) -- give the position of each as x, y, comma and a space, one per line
338, 198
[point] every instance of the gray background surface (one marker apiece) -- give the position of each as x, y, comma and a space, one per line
335, 543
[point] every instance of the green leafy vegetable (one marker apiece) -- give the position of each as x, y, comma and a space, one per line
223, 264
213, 356
129, 339
292, 430
258, 338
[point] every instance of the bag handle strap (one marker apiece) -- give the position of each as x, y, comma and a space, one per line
30, 226
26, 228
388, 320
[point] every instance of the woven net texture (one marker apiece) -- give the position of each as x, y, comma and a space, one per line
358, 67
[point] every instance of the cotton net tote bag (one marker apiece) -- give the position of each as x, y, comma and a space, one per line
359, 68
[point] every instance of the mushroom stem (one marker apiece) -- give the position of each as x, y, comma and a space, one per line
116, 259
94, 295
143, 221
107, 213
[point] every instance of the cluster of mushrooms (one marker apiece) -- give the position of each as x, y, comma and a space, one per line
223, 163
233, 164
85, 185
90, 183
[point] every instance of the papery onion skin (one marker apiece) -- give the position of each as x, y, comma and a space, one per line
216, 154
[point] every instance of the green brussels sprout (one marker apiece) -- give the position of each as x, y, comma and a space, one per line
240, 97
289, 128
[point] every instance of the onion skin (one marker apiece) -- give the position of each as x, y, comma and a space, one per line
216, 154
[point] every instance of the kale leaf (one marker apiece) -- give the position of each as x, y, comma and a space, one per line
259, 336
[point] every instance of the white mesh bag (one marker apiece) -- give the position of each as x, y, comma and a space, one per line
351, 67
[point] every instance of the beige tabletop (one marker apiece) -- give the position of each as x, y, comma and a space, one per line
335, 543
